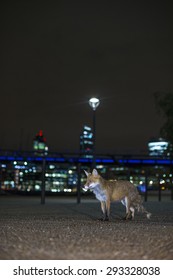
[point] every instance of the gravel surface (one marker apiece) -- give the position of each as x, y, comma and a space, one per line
63, 229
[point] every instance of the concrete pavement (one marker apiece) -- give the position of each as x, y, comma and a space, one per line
63, 229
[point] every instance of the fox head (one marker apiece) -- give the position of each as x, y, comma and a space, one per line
92, 180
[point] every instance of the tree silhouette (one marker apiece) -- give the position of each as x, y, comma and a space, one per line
164, 104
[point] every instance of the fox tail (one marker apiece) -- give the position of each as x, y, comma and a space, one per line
143, 210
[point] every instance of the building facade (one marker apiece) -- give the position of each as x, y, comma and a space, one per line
158, 147
24, 172
39, 143
86, 142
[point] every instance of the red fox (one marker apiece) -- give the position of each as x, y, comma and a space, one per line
108, 191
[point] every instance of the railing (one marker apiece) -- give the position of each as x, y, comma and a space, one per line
127, 159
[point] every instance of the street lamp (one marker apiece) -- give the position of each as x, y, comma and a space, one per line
94, 103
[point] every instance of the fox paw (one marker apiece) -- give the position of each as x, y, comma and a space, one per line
127, 218
104, 219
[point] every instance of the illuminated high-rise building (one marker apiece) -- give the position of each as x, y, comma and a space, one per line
39, 143
86, 142
158, 147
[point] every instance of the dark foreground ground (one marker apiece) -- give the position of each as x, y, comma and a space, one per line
63, 229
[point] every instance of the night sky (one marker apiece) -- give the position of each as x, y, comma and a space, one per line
55, 55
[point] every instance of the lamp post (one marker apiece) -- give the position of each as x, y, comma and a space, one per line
41, 149
94, 103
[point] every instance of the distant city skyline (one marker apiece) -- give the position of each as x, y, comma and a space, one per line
57, 55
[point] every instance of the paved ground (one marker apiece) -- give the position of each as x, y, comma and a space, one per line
63, 229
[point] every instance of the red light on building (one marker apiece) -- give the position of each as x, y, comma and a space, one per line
39, 143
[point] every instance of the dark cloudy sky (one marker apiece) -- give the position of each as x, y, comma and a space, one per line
55, 55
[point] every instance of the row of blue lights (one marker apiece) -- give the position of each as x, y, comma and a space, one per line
146, 161
89, 160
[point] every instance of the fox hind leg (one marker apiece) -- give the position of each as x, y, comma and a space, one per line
129, 213
132, 209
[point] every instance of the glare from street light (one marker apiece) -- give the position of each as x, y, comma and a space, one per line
94, 103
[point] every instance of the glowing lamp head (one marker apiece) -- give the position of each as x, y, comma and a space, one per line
94, 103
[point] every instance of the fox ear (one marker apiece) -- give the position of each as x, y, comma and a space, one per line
94, 173
86, 173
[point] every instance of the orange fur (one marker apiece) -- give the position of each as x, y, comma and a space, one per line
107, 191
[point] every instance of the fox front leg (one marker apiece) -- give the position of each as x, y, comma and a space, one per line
104, 211
108, 209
